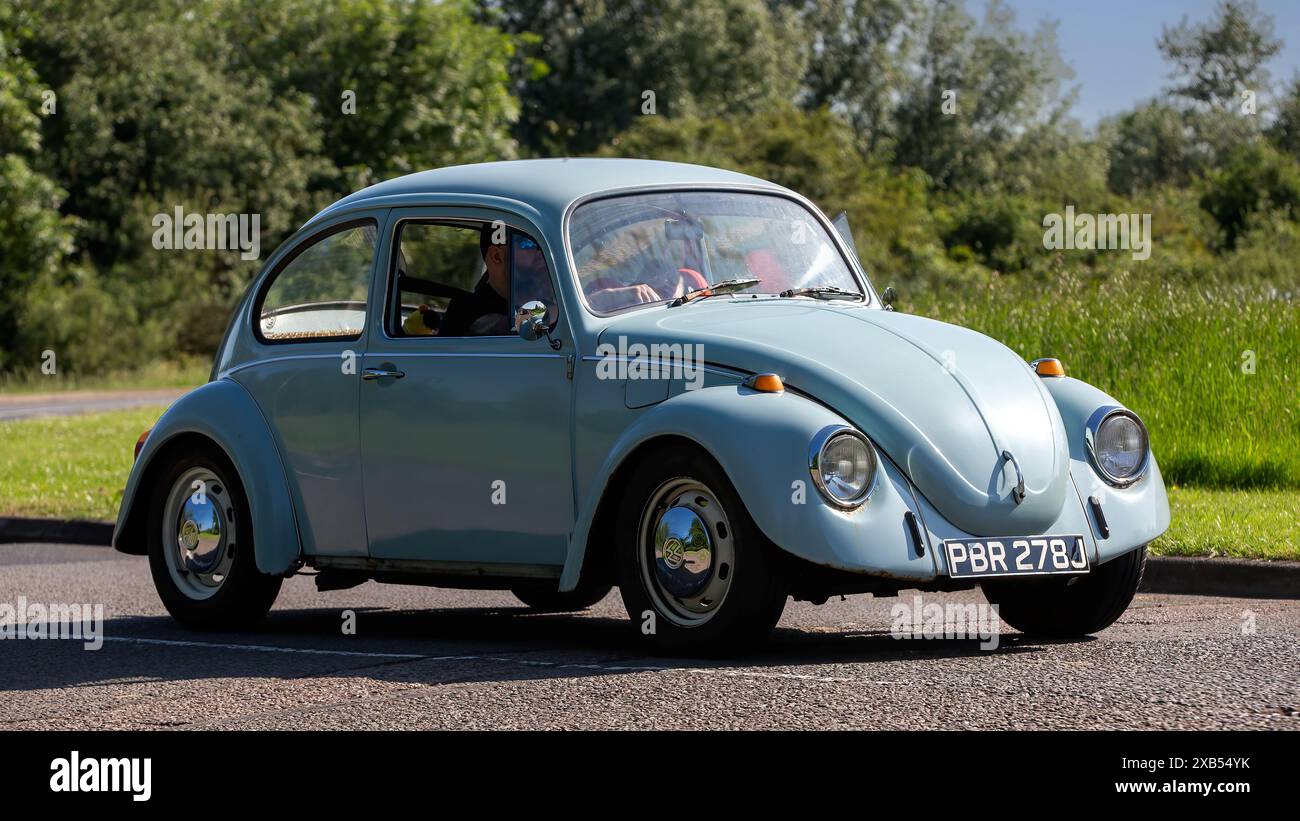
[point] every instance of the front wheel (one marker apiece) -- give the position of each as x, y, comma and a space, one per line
200, 537
1071, 607
696, 574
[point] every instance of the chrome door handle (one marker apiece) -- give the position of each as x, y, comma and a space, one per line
379, 373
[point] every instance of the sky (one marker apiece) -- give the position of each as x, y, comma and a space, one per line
1111, 44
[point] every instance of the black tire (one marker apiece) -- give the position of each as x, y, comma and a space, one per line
1057, 607
751, 605
245, 594
547, 600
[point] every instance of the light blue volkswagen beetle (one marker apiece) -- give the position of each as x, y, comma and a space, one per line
557, 376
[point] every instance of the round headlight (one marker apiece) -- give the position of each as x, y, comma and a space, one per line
844, 466
1118, 443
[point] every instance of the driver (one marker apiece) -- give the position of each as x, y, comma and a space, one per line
605, 294
474, 314
485, 311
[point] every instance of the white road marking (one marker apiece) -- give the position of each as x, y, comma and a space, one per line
262, 648
609, 668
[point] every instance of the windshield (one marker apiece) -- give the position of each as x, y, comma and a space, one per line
650, 248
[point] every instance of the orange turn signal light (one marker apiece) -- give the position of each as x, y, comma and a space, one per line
767, 383
1048, 367
139, 443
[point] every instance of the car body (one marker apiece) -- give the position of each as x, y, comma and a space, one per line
863, 448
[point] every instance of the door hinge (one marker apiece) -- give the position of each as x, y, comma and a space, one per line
568, 366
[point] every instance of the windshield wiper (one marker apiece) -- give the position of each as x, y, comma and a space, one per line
727, 286
827, 292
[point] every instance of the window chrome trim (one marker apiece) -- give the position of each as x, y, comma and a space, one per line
1091, 429
818, 447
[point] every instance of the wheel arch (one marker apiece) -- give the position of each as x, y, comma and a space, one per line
220, 414
598, 556
760, 442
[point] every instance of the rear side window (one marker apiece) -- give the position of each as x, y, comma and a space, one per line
320, 293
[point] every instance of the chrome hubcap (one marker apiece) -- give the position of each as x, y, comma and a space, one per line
685, 553
199, 533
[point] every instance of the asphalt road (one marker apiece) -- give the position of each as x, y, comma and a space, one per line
426, 658
29, 406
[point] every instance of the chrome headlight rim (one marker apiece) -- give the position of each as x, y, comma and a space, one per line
1093, 427
817, 449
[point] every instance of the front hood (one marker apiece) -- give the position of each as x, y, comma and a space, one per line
943, 402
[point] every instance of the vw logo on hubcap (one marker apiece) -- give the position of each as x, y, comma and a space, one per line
674, 553
190, 534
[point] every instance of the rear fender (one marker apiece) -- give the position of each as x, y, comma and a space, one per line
223, 413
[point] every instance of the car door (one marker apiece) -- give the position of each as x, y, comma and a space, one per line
465, 440
309, 321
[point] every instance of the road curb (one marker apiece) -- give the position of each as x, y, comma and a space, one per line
1179, 575
56, 531
1237, 578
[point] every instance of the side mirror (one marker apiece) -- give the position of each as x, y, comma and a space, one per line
887, 298
532, 323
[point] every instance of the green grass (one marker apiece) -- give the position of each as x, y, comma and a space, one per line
69, 467
1174, 355
186, 374
1251, 524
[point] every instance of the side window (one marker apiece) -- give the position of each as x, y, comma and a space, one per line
321, 293
464, 279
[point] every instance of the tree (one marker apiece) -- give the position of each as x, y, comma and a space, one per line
33, 236
977, 94
608, 64
1215, 62
1285, 130
233, 107
1256, 178
393, 87
859, 53
1153, 144
1212, 65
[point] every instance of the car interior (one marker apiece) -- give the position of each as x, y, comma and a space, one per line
438, 262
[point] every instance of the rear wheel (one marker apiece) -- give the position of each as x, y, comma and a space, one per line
1075, 606
200, 538
695, 573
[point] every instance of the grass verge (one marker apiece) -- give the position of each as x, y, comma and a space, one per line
1239, 524
69, 467
188, 374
